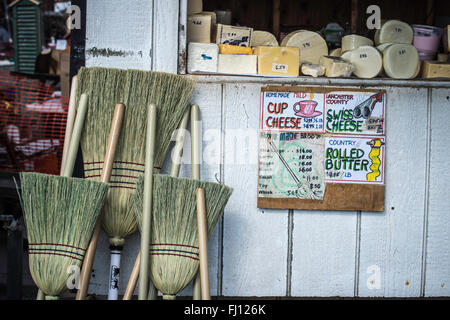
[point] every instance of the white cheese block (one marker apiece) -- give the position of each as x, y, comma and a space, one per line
336, 67
237, 64
394, 31
367, 60
311, 45
400, 61
336, 52
383, 46
236, 36
314, 70
202, 57
354, 41
263, 38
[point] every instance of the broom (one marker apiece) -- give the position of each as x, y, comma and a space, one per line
174, 245
174, 172
67, 136
136, 89
58, 220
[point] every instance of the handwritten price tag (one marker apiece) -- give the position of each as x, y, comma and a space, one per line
277, 67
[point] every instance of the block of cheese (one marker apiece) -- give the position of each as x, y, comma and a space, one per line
202, 57
278, 60
263, 38
400, 61
336, 67
237, 36
394, 31
336, 52
433, 69
199, 27
314, 70
367, 60
237, 64
194, 6
383, 46
353, 41
230, 49
311, 45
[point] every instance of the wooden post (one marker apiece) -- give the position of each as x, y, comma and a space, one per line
431, 12
276, 19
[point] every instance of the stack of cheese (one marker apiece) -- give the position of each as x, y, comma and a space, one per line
441, 67
400, 58
357, 55
214, 47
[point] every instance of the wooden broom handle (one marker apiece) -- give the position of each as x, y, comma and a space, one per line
69, 123
88, 261
203, 244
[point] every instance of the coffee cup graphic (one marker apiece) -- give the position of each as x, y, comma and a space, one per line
306, 109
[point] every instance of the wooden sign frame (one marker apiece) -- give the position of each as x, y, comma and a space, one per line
338, 196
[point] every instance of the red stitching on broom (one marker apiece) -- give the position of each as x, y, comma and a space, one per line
113, 175
56, 254
173, 244
55, 244
172, 254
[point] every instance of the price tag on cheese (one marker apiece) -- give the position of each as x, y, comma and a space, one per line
276, 67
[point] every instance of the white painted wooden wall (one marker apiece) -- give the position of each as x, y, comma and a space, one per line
403, 252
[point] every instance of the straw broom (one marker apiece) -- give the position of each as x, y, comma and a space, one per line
60, 214
67, 137
174, 172
136, 89
174, 245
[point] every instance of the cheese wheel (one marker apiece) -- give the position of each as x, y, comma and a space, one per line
288, 37
311, 45
383, 46
367, 61
263, 38
400, 61
336, 52
394, 31
354, 41
346, 56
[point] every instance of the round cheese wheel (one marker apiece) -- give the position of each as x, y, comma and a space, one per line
400, 61
353, 41
263, 38
417, 70
367, 61
311, 45
336, 52
383, 46
394, 31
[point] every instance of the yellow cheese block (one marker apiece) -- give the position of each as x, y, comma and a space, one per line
433, 69
278, 60
230, 49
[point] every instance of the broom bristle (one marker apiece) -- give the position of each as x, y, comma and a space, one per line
174, 234
60, 214
136, 89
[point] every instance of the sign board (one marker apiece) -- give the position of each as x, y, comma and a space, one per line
321, 148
